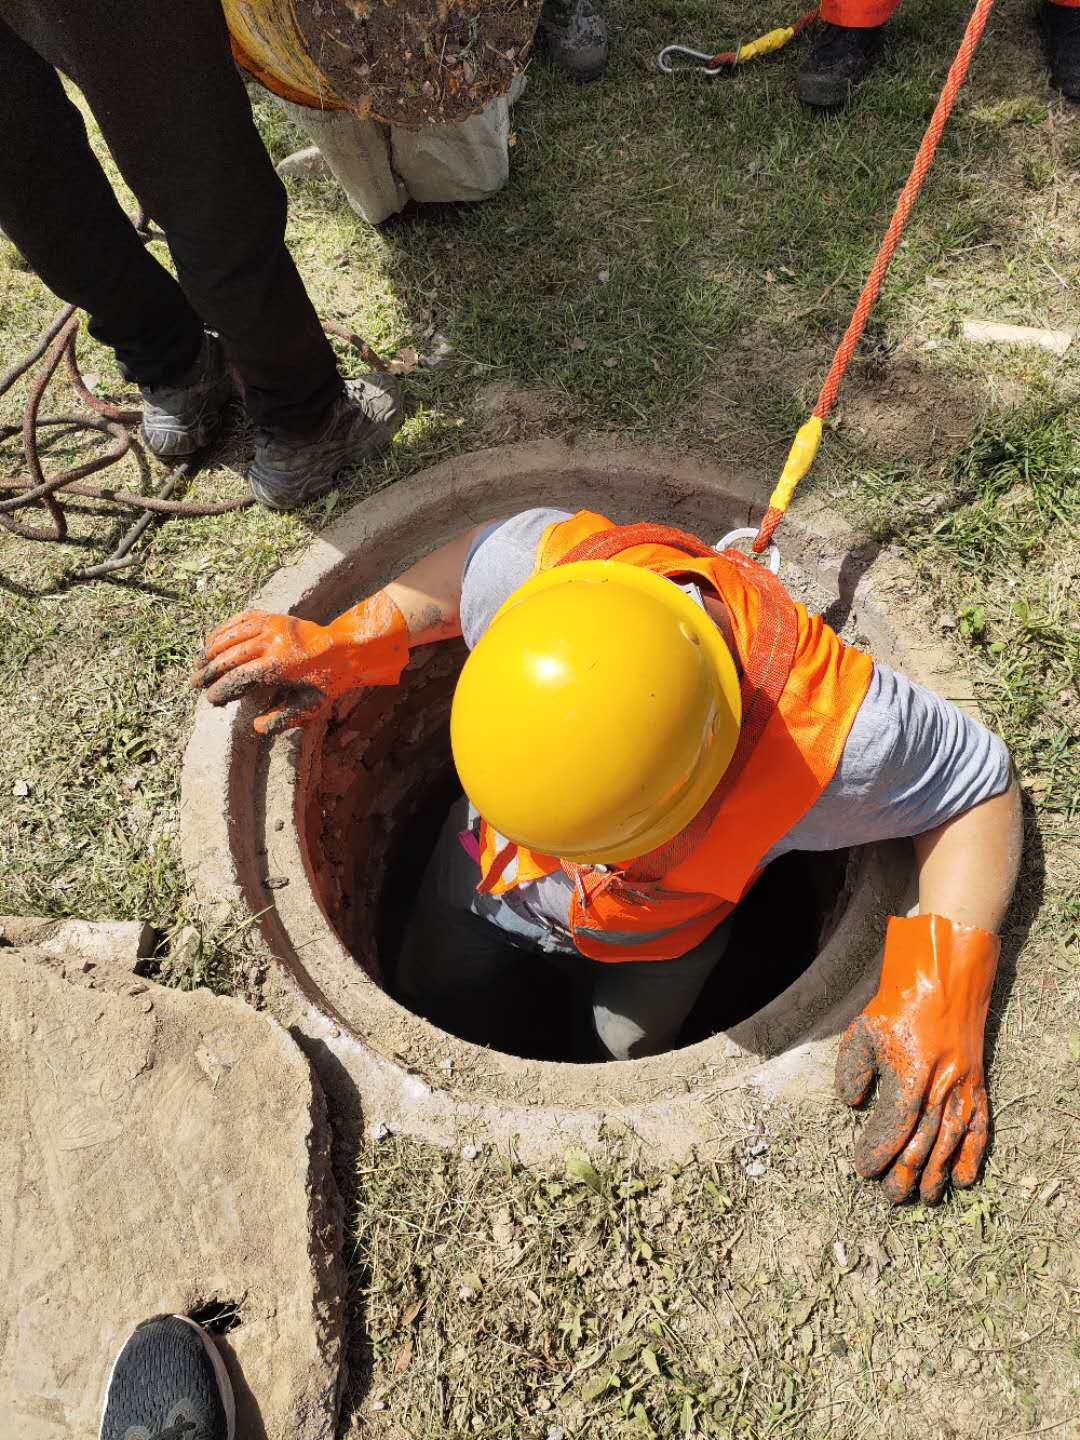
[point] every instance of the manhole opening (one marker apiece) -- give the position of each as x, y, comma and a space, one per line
381, 795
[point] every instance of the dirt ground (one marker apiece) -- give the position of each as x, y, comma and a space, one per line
673, 261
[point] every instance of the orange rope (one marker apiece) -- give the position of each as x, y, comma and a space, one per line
923, 160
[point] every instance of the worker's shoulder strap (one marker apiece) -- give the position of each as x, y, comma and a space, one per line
606, 544
767, 655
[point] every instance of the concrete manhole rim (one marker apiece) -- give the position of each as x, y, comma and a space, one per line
404, 1068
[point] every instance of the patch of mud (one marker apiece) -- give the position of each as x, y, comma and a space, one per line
896, 410
507, 413
889, 409
418, 62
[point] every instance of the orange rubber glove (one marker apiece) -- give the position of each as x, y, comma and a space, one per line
922, 1035
310, 664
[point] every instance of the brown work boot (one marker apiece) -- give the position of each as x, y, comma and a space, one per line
838, 60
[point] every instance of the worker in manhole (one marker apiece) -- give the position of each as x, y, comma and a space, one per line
851, 34
640, 727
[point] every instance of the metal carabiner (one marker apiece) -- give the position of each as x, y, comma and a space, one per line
772, 553
665, 68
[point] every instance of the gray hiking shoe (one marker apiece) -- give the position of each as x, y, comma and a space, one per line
180, 419
169, 1383
362, 421
576, 36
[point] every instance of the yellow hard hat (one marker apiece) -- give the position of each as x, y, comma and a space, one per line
596, 713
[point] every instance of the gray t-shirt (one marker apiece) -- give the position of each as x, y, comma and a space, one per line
912, 760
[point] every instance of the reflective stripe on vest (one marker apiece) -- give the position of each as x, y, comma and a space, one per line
801, 691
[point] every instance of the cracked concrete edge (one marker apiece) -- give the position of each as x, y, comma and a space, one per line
114, 942
396, 1100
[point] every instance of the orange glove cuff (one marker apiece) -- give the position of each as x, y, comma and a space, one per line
936, 979
371, 645
959, 960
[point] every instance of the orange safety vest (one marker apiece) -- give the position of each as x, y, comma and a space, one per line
801, 689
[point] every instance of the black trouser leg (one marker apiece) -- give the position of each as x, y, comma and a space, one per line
161, 82
60, 211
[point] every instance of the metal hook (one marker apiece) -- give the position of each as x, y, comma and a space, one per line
663, 65
772, 553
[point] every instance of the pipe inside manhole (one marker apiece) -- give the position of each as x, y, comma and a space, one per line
382, 786
320, 835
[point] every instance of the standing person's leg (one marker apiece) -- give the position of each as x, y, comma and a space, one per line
639, 1006
1061, 29
59, 210
843, 50
162, 84
163, 87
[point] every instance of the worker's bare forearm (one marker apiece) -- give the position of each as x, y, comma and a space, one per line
428, 594
967, 867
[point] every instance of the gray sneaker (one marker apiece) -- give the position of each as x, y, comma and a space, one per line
287, 471
576, 36
180, 419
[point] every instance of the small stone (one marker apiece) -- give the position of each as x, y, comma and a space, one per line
603, 277
471, 1286
946, 621
839, 1251
20, 789
555, 1432
309, 161
990, 332
756, 1169
470, 1152
379, 1405
276, 882
279, 824
440, 352
379, 1131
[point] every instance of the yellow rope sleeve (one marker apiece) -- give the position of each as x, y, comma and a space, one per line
765, 44
800, 457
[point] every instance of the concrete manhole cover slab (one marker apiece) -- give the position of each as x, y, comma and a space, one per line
165, 1153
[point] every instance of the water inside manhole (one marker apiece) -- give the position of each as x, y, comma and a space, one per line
386, 786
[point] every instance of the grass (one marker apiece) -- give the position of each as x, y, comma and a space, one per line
619, 1300
673, 261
